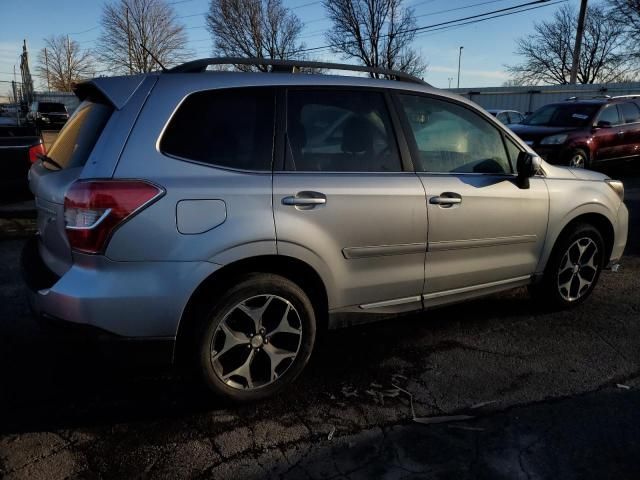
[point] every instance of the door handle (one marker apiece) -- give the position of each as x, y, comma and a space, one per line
446, 199
621, 133
305, 199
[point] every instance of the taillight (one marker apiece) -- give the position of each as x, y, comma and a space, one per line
35, 151
94, 209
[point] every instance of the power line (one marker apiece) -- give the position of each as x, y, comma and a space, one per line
449, 22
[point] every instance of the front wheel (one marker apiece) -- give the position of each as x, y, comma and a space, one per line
256, 339
578, 158
573, 269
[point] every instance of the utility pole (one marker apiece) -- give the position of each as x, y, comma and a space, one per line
578, 44
15, 96
459, 60
46, 66
126, 10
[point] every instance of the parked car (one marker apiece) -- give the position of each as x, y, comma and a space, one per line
508, 117
584, 133
19, 149
48, 115
205, 218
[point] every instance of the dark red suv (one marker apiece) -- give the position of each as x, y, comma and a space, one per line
581, 133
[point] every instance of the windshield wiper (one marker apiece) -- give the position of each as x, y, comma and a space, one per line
47, 159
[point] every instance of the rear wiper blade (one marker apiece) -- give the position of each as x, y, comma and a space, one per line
47, 159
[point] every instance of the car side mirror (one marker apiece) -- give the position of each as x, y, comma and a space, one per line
528, 165
603, 124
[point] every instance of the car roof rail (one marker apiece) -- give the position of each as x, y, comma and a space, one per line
290, 66
595, 97
636, 95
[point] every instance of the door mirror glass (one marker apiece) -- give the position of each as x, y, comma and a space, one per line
604, 124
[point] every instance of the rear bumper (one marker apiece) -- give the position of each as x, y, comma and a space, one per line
123, 306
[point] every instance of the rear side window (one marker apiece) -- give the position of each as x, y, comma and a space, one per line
340, 131
228, 128
630, 112
79, 135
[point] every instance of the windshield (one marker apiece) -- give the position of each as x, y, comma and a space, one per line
563, 115
77, 138
49, 107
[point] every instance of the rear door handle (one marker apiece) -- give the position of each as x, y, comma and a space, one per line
446, 199
305, 199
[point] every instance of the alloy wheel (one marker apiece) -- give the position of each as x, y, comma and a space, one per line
578, 160
256, 342
578, 269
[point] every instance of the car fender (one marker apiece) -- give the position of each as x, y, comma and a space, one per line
570, 199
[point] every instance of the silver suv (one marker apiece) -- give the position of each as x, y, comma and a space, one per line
224, 218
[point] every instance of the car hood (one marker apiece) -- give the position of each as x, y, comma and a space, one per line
555, 171
535, 132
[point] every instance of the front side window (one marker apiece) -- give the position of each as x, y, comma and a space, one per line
228, 128
452, 139
340, 131
610, 114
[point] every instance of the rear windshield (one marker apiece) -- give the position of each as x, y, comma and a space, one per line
50, 107
79, 135
563, 115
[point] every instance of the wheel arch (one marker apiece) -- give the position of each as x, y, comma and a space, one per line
598, 220
291, 268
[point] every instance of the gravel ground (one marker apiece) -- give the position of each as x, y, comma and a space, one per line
542, 389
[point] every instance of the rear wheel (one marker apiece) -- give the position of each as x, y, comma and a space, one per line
573, 269
256, 339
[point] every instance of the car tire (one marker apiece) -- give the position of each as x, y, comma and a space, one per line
573, 269
256, 338
578, 158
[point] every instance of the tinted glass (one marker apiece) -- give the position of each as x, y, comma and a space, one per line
563, 115
503, 117
610, 114
340, 131
51, 107
630, 112
79, 135
229, 128
451, 138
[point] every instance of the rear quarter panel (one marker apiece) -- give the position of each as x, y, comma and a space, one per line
247, 228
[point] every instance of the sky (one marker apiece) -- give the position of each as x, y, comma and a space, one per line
488, 46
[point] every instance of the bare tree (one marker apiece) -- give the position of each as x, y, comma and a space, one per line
129, 24
62, 63
378, 33
627, 13
548, 52
254, 28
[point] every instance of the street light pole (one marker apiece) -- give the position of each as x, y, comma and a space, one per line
459, 60
450, 80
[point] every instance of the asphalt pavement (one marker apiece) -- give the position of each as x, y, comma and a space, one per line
518, 393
